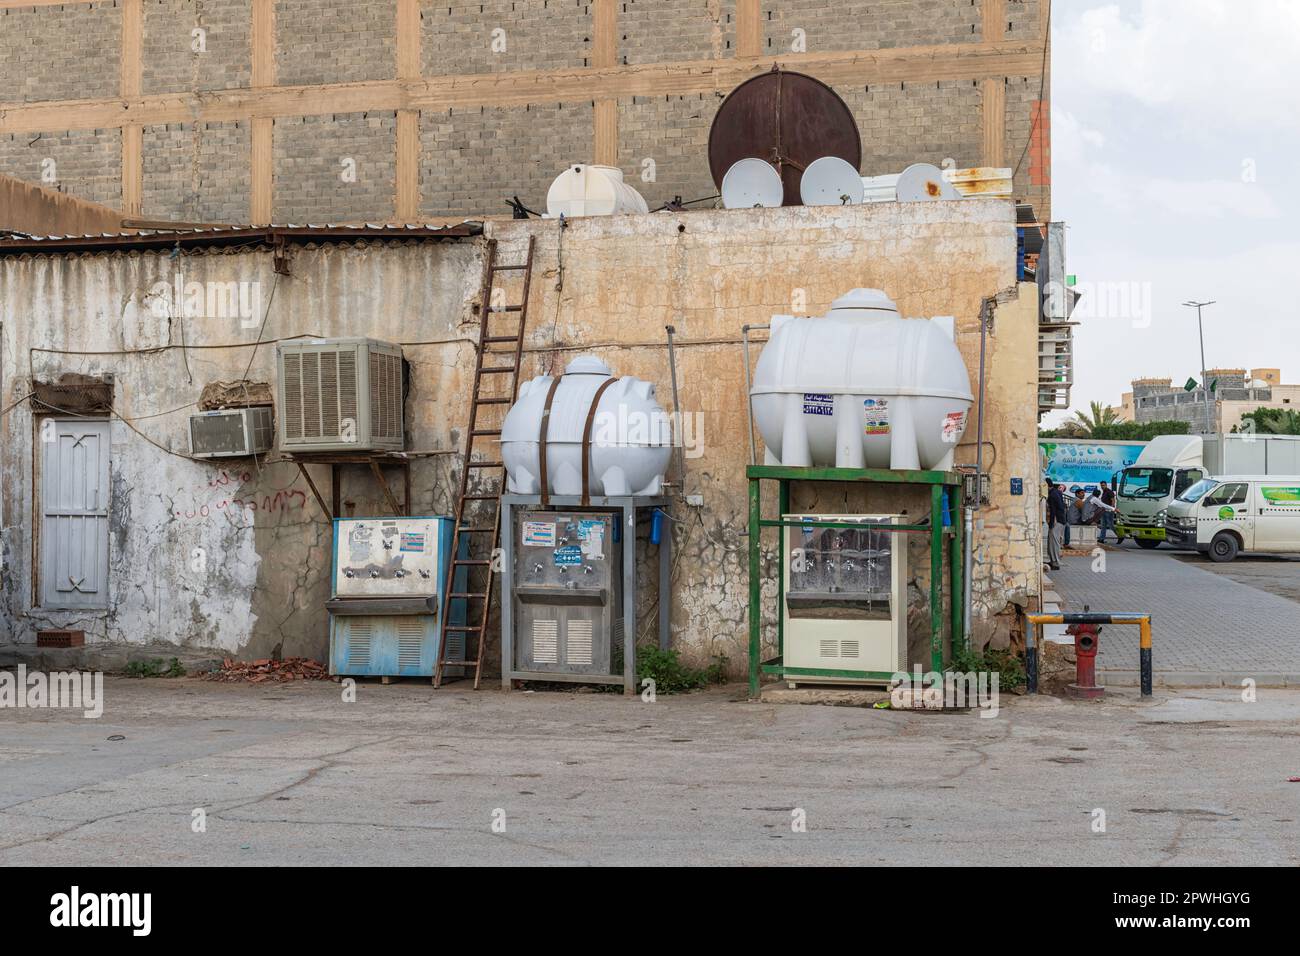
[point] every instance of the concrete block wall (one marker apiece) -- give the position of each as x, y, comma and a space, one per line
472, 160
663, 31
191, 171
904, 123
174, 59
335, 168
334, 41
868, 24
497, 36
467, 164
672, 134
87, 163
59, 52
1022, 93
1022, 18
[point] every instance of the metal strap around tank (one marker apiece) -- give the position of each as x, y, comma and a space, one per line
541, 439
586, 438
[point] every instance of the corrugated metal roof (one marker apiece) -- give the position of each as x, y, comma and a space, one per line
15, 243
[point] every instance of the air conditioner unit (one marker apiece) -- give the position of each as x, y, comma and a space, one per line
232, 432
339, 395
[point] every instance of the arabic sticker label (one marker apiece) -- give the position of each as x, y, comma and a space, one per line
877, 416
539, 534
412, 541
818, 404
954, 423
570, 555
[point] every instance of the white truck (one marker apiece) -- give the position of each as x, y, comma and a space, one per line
1171, 464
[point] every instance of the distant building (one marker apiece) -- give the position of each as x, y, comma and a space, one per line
1236, 392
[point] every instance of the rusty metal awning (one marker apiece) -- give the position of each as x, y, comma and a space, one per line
14, 243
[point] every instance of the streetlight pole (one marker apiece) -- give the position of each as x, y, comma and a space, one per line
1205, 385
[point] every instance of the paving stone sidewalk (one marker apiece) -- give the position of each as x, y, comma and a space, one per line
1208, 630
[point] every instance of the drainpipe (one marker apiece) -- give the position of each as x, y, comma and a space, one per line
987, 307
973, 503
749, 390
679, 438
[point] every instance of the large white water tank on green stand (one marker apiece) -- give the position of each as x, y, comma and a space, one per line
861, 387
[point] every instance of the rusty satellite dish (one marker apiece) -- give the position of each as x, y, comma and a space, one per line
788, 119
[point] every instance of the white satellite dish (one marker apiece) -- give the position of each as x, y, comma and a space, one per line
830, 181
922, 182
750, 183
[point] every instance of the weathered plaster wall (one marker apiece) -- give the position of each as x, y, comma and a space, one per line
264, 538
624, 278
607, 285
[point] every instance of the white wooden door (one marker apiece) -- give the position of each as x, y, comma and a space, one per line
74, 509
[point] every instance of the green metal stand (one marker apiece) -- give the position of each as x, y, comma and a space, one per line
937, 481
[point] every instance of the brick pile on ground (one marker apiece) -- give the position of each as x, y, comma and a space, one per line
267, 670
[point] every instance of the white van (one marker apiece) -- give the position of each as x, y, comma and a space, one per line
1228, 514
1180, 516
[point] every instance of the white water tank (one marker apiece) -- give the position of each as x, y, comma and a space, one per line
861, 388
585, 189
631, 435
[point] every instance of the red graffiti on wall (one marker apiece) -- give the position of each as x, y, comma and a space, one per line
290, 499
226, 478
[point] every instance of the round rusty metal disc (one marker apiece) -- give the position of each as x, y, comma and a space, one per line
788, 119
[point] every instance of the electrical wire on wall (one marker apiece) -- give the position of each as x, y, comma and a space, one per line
129, 421
266, 313
559, 288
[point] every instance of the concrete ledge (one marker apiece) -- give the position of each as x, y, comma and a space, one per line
109, 658
1126, 678
835, 696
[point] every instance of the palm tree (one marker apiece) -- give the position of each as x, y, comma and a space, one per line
1070, 428
1275, 421
1098, 416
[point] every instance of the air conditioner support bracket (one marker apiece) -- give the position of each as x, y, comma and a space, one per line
376, 465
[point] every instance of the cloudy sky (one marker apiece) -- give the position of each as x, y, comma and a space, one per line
1176, 165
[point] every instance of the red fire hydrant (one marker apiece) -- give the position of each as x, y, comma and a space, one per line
1086, 638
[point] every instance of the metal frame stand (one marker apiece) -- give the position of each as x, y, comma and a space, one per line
937, 481
627, 509
376, 461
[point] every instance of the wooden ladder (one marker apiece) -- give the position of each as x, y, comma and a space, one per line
479, 535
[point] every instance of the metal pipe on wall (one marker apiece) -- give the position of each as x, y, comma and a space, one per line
973, 501
749, 387
987, 307
678, 439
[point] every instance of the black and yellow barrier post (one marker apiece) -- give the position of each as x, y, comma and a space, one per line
1143, 621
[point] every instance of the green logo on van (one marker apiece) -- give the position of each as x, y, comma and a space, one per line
1226, 512
1281, 496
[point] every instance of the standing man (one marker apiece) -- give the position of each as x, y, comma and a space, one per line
1103, 501
1056, 521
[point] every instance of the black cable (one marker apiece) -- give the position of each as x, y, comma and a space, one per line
1042, 84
